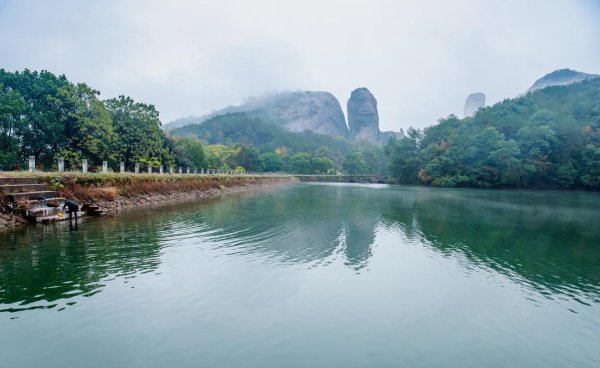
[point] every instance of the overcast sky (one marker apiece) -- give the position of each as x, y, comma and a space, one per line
419, 58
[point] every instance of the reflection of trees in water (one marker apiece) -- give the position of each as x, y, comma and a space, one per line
39, 266
302, 224
549, 240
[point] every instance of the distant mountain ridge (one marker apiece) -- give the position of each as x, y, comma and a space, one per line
316, 111
560, 77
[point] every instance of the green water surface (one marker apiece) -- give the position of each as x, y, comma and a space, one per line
312, 275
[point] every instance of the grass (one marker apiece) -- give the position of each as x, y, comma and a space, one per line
95, 187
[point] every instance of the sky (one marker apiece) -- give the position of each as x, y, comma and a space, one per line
420, 58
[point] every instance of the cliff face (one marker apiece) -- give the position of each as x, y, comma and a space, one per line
363, 117
474, 102
318, 112
560, 77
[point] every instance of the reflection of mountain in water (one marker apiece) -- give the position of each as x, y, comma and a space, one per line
549, 240
305, 224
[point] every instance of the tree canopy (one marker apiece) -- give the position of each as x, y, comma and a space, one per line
546, 139
49, 117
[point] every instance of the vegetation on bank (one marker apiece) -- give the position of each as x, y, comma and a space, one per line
49, 117
245, 140
546, 139
95, 187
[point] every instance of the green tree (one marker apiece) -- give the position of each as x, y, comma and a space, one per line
189, 153
301, 163
321, 165
248, 157
88, 126
271, 162
354, 164
137, 126
404, 157
590, 173
12, 126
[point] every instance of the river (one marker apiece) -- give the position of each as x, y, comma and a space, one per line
312, 275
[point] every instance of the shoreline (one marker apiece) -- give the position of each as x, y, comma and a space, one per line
148, 200
143, 191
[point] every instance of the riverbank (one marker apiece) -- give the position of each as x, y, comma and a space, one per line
114, 192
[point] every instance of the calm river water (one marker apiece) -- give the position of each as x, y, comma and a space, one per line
312, 275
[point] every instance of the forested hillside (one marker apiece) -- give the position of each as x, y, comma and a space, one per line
280, 149
549, 138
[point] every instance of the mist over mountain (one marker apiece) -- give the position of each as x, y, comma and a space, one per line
474, 102
315, 111
560, 77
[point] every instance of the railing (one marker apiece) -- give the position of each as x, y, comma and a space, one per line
137, 169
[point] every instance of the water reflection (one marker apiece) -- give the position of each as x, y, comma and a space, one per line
304, 225
44, 266
548, 240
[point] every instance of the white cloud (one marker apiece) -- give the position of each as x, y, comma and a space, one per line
419, 58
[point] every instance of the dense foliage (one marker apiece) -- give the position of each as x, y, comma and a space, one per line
546, 139
243, 141
46, 116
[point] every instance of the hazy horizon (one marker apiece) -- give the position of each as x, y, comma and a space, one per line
419, 59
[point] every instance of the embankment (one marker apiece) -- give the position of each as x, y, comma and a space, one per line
113, 192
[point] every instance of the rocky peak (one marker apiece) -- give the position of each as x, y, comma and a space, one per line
363, 117
319, 112
560, 77
474, 102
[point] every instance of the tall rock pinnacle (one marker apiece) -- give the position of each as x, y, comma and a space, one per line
363, 118
474, 102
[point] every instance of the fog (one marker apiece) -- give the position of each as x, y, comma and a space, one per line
419, 58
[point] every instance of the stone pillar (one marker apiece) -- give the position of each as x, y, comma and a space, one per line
149, 169
84, 166
188, 170
160, 169
122, 167
171, 170
31, 163
61, 165
202, 171
104, 167
180, 169
137, 168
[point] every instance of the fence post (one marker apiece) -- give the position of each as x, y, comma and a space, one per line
122, 167
104, 167
137, 168
31, 163
84, 166
61, 165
